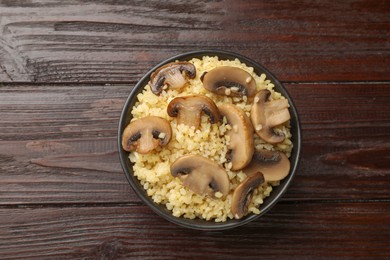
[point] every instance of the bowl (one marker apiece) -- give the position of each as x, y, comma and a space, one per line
200, 224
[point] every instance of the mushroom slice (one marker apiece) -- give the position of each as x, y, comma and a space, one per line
242, 195
201, 175
174, 74
188, 109
274, 165
145, 134
229, 81
267, 114
241, 145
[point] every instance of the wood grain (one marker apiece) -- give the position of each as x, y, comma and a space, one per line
67, 67
308, 230
110, 41
58, 143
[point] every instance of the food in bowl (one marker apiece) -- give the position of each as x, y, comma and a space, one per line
209, 138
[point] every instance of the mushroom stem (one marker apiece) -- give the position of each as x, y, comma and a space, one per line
266, 114
189, 109
276, 112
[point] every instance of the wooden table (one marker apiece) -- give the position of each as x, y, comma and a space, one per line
66, 68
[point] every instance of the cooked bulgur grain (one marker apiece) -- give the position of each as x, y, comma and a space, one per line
153, 169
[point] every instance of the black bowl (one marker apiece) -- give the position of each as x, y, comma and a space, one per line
200, 224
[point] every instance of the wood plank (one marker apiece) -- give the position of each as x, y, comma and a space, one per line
118, 42
58, 143
346, 140
309, 230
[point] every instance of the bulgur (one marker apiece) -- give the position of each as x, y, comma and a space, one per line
153, 169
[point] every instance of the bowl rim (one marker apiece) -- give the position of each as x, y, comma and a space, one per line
200, 224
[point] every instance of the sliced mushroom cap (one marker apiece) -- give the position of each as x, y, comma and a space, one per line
242, 195
145, 134
267, 114
201, 175
229, 81
241, 145
274, 165
188, 110
174, 74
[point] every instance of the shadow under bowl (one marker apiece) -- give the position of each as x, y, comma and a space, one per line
200, 224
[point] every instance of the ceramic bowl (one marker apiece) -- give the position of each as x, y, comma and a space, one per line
200, 224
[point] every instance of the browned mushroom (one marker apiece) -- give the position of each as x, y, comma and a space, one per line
274, 165
267, 114
174, 74
241, 145
243, 194
145, 134
188, 110
229, 81
201, 175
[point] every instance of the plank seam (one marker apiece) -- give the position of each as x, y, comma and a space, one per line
122, 204
113, 83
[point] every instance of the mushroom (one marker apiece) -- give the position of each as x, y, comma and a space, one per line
188, 110
241, 145
201, 175
229, 81
274, 165
174, 74
242, 195
145, 134
267, 114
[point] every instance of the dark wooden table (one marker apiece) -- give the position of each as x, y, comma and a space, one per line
66, 68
